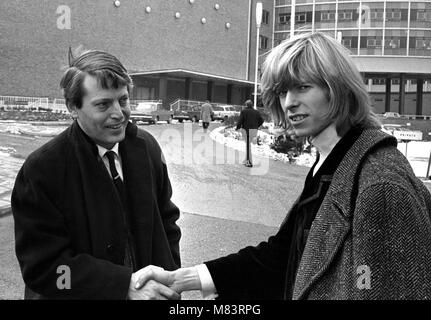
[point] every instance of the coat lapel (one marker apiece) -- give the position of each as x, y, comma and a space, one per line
138, 181
333, 220
101, 203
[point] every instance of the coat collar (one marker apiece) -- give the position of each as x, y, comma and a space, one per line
332, 222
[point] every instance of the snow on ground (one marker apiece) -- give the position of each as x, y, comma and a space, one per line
418, 152
30, 129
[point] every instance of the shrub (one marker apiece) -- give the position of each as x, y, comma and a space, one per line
284, 144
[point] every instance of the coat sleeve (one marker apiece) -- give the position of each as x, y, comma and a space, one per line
392, 241
254, 272
48, 263
170, 214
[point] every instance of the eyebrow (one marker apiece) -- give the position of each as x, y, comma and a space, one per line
97, 101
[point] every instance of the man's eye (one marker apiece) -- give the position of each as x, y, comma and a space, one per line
102, 105
303, 87
124, 101
282, 93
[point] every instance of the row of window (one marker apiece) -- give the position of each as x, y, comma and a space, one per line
393, 43
353, 15
382, 81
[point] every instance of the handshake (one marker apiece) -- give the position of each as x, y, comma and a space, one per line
155, 283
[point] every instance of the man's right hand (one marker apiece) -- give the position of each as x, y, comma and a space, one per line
156, 286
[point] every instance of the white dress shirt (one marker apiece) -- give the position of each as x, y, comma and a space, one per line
207, 284
117, 160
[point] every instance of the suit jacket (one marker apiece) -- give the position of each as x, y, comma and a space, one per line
249, 118
67, 213
371, 237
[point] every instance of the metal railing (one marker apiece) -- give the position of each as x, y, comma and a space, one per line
195, 103
59, 105
23, 103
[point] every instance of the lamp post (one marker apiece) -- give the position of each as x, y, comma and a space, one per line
258, 22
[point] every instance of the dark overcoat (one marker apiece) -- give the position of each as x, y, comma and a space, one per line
371, 237
68, 215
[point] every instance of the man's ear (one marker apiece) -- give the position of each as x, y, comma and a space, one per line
73, 111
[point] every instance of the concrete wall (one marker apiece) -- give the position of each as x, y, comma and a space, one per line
35, 38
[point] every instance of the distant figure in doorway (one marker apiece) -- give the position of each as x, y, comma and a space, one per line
249, 120
206, 114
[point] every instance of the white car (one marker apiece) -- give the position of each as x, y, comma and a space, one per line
223, 112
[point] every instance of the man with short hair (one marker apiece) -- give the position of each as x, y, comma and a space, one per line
249, 120
92, 206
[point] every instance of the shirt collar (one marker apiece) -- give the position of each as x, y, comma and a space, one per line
103, 150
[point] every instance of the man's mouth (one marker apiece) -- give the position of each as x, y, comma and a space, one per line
115, 126
297, 118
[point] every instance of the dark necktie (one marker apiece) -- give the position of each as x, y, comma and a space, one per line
119, 185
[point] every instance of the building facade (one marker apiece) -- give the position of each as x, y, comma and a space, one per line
390, 41
188, 49
206, 49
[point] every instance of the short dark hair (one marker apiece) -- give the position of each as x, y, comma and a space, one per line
249, 103
108, 70
320, 59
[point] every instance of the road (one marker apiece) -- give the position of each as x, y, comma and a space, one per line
225, 206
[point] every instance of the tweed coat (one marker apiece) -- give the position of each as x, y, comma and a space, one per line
67, 213
371, 237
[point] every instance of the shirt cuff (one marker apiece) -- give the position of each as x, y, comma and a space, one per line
209, 291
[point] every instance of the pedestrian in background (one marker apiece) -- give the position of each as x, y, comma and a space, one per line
361, 228
206, 114
249, 120
92, 207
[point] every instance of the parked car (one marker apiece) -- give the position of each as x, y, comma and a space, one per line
151, 112
187, 112
222, 112
391, 115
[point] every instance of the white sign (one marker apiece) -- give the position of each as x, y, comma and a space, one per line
407, 135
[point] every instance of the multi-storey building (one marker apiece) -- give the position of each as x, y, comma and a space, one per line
206, 49
390, 41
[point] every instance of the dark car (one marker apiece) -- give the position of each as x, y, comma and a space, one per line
187, 112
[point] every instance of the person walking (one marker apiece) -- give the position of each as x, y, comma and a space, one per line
206, 114
249, 120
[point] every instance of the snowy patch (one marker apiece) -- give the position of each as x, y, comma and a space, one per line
418, 152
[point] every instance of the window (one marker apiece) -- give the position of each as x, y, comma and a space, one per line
423, 16
379, 81
327, 16
376, 15
301, 17
423, 44
345, 15
346, 42
392, 43
395, 81
284, 18
393, 15
263, 42
374, 43
265, 17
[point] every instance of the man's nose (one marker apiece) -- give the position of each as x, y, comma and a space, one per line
289, 101
117, 111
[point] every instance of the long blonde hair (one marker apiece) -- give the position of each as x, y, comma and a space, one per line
318, 58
